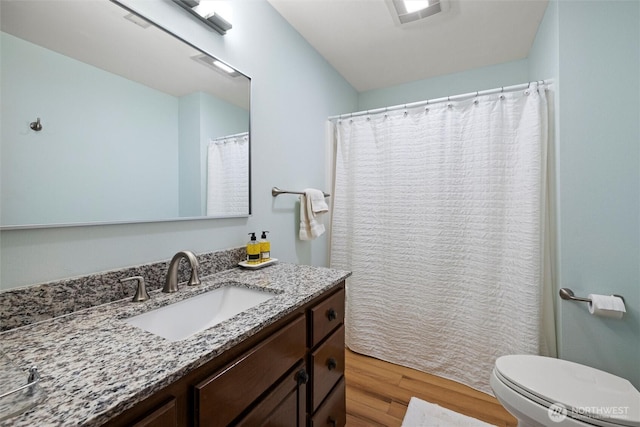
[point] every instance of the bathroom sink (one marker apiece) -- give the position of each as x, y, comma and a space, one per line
185, 318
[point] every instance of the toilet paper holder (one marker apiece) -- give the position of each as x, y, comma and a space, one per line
566, 293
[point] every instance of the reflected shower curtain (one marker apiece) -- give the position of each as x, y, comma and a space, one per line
228, 176
440, 211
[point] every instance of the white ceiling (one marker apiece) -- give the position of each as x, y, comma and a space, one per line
371, 50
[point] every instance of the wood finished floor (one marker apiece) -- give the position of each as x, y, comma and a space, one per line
378, 394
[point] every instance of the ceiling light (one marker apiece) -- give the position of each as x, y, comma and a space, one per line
413, 10
212, 19
415, 5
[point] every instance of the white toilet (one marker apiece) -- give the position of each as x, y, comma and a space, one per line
543, 391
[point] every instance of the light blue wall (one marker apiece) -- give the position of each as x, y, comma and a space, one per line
599, 179
543, 56
478, 79
189, 155
66, 154
294, 90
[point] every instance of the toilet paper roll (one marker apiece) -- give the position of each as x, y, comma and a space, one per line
606, 306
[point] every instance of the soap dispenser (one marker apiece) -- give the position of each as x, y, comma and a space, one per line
265, 248
253, 250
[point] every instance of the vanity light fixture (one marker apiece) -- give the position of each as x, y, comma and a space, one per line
213, 19
413, 10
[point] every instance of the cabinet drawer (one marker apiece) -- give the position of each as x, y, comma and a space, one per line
325, 317
220, 398
164, 416
333, 412
327, 367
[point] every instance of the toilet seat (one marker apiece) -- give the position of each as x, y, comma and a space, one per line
589, 395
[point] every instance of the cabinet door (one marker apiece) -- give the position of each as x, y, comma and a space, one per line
284, 406
222, 397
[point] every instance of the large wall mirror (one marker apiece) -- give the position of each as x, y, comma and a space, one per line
107, 118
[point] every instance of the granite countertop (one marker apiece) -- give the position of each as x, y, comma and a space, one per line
94, 366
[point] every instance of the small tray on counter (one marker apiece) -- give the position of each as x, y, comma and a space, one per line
19, 390
257, 265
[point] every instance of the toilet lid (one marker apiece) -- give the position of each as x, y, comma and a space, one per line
587, 393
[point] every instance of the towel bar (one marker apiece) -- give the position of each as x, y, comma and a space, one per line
275, 191
566, 293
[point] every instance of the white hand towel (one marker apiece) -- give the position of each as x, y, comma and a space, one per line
305, 229
318, 204
312, 207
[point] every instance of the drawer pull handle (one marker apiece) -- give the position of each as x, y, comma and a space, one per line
332, 363
331, 421
331, 314
302, 377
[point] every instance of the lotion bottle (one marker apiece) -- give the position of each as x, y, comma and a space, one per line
265, 248
253, 250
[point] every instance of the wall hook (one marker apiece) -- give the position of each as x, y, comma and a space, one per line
36, 126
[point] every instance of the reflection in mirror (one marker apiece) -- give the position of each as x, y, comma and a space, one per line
136, 125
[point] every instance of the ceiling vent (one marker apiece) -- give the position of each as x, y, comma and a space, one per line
137, 20
414, 10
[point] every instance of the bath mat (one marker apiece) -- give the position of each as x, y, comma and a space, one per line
425, 414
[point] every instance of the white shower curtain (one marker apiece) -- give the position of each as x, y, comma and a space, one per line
228, 176
439, 211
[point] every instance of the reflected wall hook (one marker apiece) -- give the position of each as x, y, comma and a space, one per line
36, 126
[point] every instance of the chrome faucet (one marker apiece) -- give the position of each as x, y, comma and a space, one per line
171, 285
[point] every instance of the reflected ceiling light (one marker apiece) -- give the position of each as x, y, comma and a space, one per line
212, 19
413, 10
224, 67
216, 65
137, 20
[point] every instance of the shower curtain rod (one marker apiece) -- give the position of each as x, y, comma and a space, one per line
437, 100
220, 138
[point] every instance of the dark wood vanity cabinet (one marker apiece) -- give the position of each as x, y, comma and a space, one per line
326, 397
224, 396
289, 374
